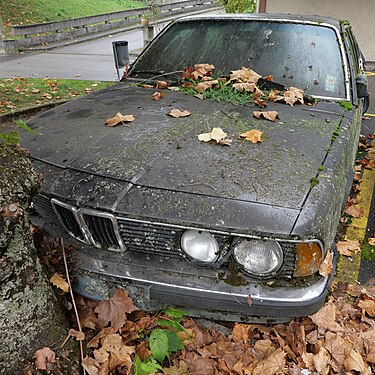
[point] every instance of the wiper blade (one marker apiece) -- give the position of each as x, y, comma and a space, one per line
265, 83
156, 73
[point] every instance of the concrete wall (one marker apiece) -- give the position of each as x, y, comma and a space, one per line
360, 13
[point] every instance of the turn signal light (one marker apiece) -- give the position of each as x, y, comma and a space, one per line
308, 259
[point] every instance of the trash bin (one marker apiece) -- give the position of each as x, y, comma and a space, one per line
121, 55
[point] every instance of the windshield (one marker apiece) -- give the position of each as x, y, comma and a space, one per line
300, 55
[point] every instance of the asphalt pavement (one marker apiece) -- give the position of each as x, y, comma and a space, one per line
93, 60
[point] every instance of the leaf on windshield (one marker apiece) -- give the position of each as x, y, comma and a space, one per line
274, 96
217, 134
253, 135
162, 84
244, 75
178, 113
203, 86
119, 119
293, 95
268, 115
157, 95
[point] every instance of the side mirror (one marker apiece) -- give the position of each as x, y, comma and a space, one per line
121, 55
361, 83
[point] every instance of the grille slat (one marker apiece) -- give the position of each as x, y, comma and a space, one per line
69, 221
101, 229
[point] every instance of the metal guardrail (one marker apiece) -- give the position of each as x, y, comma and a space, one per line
84, 25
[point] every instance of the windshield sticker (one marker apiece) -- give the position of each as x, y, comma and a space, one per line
330, 83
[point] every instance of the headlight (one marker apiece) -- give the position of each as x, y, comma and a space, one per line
259, 257
200, 246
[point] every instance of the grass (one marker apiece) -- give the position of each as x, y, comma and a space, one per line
23, 93
368, 252
24, 12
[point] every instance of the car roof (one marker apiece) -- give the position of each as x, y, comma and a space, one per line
269, 17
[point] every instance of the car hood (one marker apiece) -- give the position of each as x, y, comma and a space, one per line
162, 152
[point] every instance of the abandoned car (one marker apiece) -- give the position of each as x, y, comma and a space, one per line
223, 227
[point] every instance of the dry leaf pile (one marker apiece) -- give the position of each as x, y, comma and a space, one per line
338, 339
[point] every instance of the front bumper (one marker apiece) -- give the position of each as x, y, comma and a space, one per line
201, 294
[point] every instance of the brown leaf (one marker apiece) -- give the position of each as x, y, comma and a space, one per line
178, 113
325, 318
148, 86
244, 86
179, 368
101, 355
274, 364
249, 300
293, 95
274, 96
268, 115
157, 95
43, 357
79, 336
326, 266
371, 241
59, 282
354, 362
321, 360
354, 211
348, 247
162, 84
241, 332
119, 119
252, 135
203, 86
35, 91
337, 346
91, 365
225, 142
115, 309
244, 75
201, 70
261, 103
368, 306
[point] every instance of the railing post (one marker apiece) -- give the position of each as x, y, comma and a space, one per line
148, 35
2, 47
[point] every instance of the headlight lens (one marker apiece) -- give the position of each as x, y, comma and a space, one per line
201, 246
259, 257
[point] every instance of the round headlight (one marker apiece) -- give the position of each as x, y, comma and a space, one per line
200, 246
259, 257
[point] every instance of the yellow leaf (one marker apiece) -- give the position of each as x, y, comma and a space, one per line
244, 75
217, 134
326, 266
59, 282
268, 115
293, 95
119, 119
253, 135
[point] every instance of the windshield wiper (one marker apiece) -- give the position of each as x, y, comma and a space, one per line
155, 73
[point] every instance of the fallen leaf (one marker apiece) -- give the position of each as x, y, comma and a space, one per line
371, 241
157, 95
274, 96
47, 96
368, 306
293, 95
348, 247
162, 84
79, 336
91, 365
249, 300
268, 115
35, 91
59, 282
274, 364
203, 86
178, 113
261, 103
244, 75
216, 134
119, 119
114, 310
325, 268
201, 70
321, 360
252, 135
354, 362
225, 142
43, 357
354, 211
146, 86
325, 318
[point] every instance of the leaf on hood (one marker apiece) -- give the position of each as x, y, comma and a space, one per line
59, 282
348, 247
268, 115
326, 266
257, 99
244, 75
253, 135
119, 119
293, 95
202, 70
274, 96
205, 85
43, 357
244, 86
146, 86
157, 95
216, 134
162, 84
178, 113
114, 310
